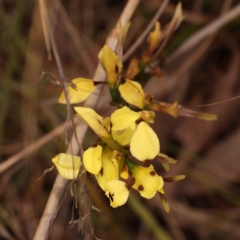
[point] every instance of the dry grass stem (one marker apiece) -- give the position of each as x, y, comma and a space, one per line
32, 147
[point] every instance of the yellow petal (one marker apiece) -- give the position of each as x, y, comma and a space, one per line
109, 170
132, 93
147, 181
111, 63
154, 38
117, 192
67, 165
144, 144
92, 159
93, 120
123, 137
123, 118
79, 90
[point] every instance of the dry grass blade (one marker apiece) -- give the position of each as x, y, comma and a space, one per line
75, 38
32, 148
45, 25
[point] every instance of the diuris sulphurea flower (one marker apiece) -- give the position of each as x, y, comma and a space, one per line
119, 160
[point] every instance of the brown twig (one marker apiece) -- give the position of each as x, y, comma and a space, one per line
145, 32
45, 25
32, 147
60, 183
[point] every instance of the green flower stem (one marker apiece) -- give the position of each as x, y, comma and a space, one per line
129, 163
144, 214
115, 94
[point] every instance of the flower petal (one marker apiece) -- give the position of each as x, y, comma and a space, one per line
67, 165
147, 181
109, 170
144, 144
122, 118
117, 192
93, 120
79, 90
132, 93
92, 159
123, 137
111, 63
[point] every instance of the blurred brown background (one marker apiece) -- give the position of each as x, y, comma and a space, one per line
203, 206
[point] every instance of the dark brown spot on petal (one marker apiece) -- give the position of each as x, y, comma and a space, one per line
146, 163
101, 172
120, 154
116, 69
95, 145
111, 196
152, 173
95, 83
140, 188
138, 121
123, 81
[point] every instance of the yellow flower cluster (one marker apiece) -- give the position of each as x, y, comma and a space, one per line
120, 160
124, 134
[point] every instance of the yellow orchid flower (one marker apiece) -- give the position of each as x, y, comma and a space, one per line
147, 181
117, 192
79, 90
111, 63
67, 165
144, 144
92, 159
132, 93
